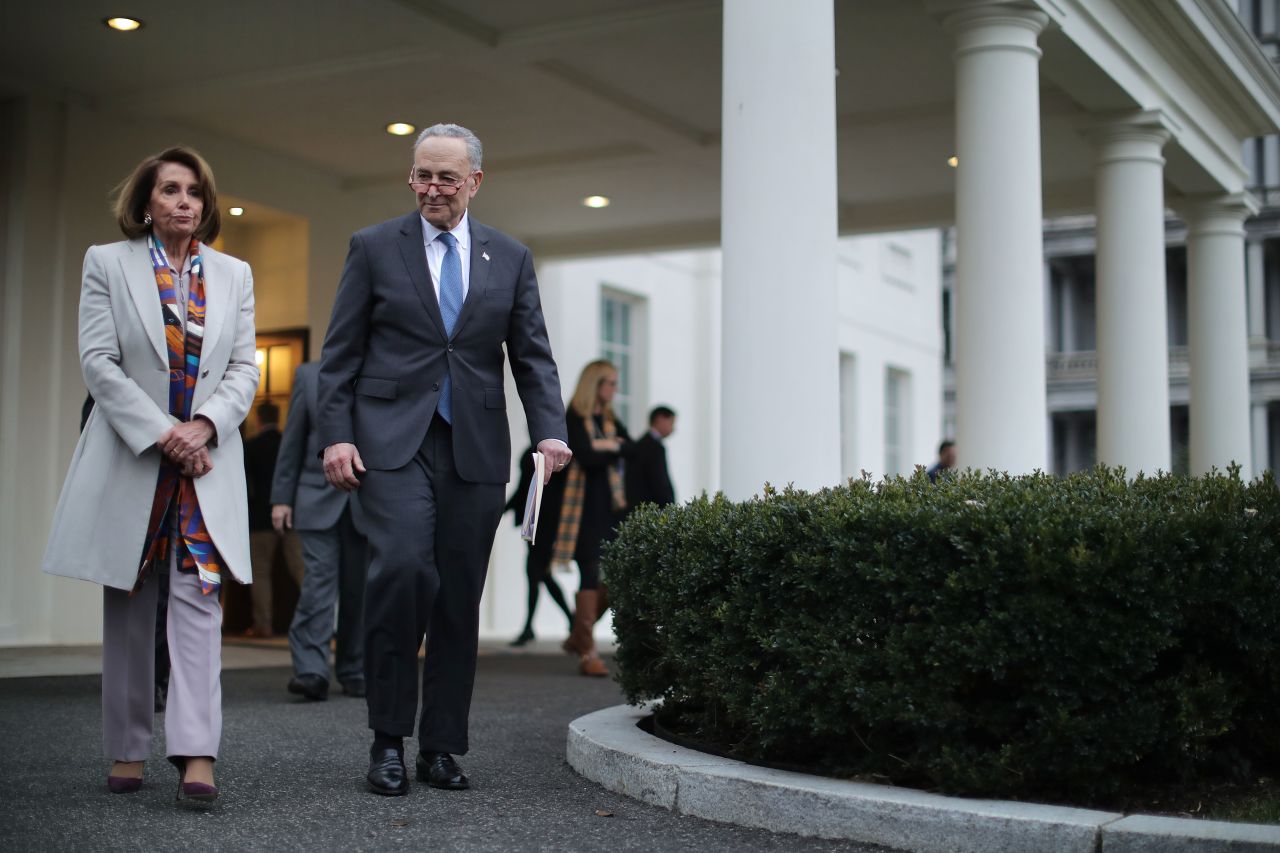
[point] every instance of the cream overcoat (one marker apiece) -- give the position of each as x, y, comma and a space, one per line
101, 518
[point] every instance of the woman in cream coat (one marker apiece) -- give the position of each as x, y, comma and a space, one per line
156, 483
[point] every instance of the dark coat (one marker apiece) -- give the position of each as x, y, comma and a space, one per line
599, 518
259, 468
386, 353
648, 480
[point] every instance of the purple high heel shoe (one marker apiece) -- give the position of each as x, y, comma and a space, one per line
123, 784
192, 793
196, 792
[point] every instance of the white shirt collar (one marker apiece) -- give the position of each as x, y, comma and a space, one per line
461, 231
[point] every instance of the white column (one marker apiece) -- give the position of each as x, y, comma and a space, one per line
781, 384
1068, 317
1256, 276
999, 296
1261, 435
1133, 348
1218, 332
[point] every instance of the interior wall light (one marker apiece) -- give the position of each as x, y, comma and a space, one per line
122, 24
400, 128
596, 201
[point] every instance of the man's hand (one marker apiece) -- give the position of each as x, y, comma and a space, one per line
197, 464
281, 517
342, 464
184, 440
558, 455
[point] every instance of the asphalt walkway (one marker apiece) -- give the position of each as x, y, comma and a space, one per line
292, 777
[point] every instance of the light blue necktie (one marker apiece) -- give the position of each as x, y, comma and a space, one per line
450, 308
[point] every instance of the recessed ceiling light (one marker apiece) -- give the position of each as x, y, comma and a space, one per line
124, 25
236, 211
953, 161
400, 128
596, 201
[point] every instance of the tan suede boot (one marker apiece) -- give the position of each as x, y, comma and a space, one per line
590, 664
584, 616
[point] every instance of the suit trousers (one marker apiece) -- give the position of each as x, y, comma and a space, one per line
193, 713
262, 553
430, 533
336, 562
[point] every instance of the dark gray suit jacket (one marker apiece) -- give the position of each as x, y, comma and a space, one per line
386, 353
299, 478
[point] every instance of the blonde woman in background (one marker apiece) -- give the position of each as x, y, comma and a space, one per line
594, 501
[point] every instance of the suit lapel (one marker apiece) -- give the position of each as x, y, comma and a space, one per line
479, 282
217, 296
415, 261
140, 278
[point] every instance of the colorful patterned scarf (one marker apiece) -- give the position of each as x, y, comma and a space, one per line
575, 488
176, 520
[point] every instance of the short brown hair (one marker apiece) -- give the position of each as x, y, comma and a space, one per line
134, 192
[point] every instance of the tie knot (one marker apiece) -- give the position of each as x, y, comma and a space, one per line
448, 239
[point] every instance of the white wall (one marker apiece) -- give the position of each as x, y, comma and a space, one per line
889, 293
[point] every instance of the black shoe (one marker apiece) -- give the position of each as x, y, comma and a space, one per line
314, 687
354, 687
439, 770
526, 636
387, 775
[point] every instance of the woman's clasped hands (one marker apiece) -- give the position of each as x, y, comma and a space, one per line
186, 446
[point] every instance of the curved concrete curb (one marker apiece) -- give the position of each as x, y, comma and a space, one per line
607, 748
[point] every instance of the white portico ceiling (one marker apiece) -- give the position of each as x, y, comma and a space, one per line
620, 97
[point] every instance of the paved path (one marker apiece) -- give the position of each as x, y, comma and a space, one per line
292, 775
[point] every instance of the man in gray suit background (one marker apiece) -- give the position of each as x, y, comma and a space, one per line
333, 551
413, 414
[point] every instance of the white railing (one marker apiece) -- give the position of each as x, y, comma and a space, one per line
1068, 366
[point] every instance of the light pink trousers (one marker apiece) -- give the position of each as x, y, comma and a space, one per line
193, 713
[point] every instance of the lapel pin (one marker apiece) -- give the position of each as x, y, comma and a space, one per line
484, 255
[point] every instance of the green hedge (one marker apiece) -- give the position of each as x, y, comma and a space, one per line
1002, 636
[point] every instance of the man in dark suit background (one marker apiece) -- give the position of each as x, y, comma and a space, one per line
333, 551
413, 414
648, 480
259, 468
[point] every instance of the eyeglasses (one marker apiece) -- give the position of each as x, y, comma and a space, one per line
418, 183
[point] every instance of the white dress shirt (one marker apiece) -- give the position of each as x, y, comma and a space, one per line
436, 250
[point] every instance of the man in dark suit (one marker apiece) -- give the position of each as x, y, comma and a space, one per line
648, 480
259, 468
333, 551
413, 414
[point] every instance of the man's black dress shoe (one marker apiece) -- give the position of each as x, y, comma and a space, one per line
387, 775
314, 687
439, 770
354, 687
